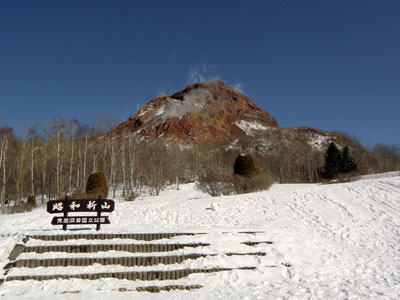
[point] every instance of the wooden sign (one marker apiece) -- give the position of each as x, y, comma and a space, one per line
80, 205
77, 220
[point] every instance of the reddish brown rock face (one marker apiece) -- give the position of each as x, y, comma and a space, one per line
201, 112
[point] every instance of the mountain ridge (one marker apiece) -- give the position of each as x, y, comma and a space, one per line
212, 112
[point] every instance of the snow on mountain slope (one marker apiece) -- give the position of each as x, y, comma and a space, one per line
342, 241
248, 127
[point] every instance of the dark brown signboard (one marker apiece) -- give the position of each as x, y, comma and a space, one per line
76, 220
80, 205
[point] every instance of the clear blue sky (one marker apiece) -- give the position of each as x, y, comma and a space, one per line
332, 65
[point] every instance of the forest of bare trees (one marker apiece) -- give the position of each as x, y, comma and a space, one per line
54, 159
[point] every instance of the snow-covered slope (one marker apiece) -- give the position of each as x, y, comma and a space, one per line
342, 241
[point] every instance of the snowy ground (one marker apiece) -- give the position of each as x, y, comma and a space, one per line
342, 241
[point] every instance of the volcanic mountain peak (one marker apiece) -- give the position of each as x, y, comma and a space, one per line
201, 112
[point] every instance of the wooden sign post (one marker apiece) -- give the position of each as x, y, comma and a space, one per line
80, 205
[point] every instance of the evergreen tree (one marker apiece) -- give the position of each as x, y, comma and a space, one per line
332, 160
347, 163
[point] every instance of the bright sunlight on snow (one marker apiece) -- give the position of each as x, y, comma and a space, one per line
336, 241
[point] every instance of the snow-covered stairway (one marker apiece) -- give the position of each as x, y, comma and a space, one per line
135, 257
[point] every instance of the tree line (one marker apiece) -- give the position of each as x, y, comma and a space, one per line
56, 158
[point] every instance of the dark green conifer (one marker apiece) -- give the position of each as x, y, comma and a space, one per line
332, 161
347, 163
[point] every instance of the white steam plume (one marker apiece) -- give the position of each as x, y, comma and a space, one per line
202, 73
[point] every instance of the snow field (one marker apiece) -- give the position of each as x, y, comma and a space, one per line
341, 240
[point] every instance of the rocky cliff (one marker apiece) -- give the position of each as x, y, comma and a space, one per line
208, 111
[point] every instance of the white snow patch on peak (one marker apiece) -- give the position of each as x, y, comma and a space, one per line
248, 126
192, 102
160, 111
151, 114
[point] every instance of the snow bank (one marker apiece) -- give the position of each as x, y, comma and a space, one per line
381, 175
342, 241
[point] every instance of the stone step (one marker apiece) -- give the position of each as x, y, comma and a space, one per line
18, 249
123, 261
134, 248
143, 276
167, 288
109, 236
257, 243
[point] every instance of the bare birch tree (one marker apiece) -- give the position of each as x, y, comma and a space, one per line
3, 167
